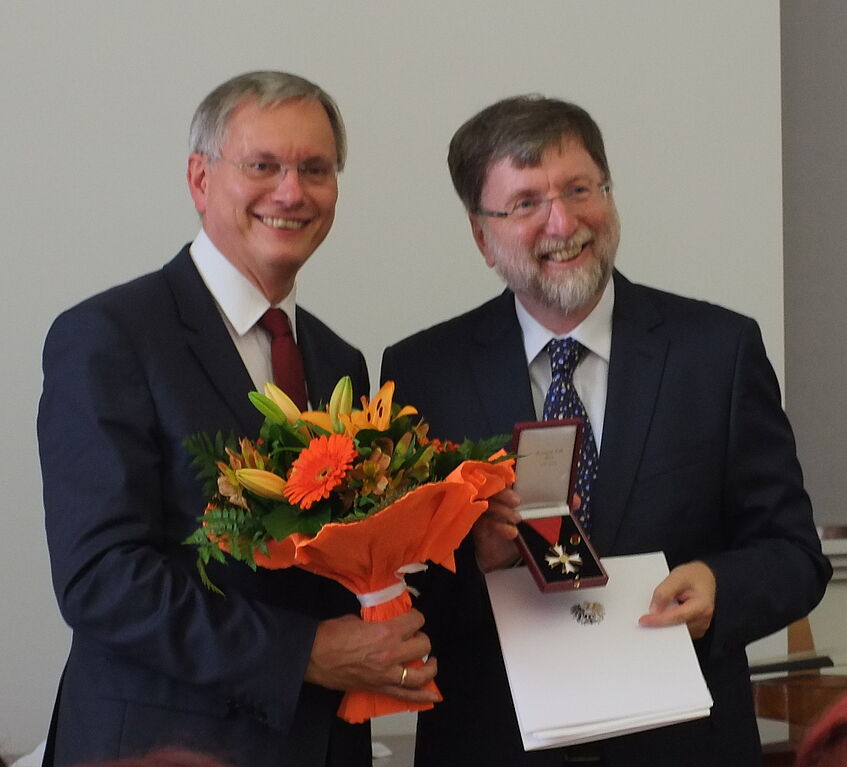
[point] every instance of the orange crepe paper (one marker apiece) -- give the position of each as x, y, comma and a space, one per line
427, 524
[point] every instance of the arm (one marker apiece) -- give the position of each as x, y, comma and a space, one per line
118, 501
770, 570
120, 498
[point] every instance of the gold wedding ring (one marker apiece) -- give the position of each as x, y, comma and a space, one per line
403, 676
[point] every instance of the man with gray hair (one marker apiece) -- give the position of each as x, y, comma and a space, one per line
686, 447
157, 659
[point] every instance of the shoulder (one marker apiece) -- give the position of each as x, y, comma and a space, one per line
141, 312
493, 317
317, 332
677, 314
141, 298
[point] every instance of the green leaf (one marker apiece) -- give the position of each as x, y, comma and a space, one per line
314, 519
368, 436
205, 580
482, 450
206, 453
267, 407
282, 521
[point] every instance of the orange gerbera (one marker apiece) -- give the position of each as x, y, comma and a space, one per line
319, 469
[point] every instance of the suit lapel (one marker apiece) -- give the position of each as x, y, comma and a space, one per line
636, 366
501, 376
209, 341
317, 383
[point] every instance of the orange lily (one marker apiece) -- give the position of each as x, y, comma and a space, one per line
318, 418
375, 414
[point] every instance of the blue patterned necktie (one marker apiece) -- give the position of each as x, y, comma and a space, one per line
562, 401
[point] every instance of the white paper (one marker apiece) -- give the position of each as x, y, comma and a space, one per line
574, 683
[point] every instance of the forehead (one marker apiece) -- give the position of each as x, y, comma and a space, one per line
560, 163
293, 129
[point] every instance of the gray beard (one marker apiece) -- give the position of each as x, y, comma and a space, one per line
567, 296
524, 274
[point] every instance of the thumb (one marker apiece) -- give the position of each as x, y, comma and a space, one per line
664, 594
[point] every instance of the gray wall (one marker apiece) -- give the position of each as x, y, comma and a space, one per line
97, 95
814, 132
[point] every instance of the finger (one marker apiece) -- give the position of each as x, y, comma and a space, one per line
413, 649
496, 529
665, 593
506, 497
417, 676
696, 613
411, 695
406, 624
500, 513
418, 673
671, 616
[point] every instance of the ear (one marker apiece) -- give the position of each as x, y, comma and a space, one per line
479, 238
198, 180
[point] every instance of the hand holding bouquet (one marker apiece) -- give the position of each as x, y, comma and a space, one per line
359, 496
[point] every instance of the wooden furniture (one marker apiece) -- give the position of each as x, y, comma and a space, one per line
796, 697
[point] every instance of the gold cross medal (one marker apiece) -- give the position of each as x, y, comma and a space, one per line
559, 556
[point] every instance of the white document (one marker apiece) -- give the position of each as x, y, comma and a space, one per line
574, 682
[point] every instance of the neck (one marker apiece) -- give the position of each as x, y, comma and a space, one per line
555, 319
275, 289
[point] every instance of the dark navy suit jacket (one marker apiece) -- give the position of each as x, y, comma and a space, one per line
156, 658
697, 460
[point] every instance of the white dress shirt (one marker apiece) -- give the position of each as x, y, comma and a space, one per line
591, 376
241, 305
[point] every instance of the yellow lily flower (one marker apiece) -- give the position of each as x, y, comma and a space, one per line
264, 483
282, 401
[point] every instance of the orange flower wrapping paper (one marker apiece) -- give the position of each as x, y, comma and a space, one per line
370, 555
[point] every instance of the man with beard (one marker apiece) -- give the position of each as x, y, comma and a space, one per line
696, 456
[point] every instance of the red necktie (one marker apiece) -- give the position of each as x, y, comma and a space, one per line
286, 359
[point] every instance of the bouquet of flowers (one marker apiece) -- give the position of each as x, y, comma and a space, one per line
359, 496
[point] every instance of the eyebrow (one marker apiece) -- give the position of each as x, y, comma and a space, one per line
264, 155
530, 192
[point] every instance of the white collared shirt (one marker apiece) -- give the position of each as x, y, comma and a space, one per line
591, 376
241, 305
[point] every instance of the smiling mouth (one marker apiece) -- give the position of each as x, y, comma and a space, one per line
282, 223
568, 251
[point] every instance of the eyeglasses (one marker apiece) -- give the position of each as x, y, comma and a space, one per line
575, 196
314, 172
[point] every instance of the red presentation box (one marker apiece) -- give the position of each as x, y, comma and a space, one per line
555, 548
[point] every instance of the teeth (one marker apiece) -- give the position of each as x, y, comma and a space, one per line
282, 223
565, 254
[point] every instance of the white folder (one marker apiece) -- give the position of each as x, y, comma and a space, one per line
575, 682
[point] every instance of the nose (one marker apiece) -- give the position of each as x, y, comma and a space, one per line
561, 221
288, 189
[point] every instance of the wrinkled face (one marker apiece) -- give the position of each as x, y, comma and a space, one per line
562, 256
268, 226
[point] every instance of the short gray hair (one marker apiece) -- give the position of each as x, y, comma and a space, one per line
211, 120
520, 128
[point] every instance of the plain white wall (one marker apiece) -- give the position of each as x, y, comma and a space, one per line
96, 100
